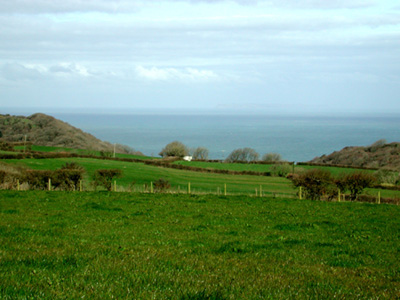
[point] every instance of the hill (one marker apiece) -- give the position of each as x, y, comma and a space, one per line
378, 155
44, 130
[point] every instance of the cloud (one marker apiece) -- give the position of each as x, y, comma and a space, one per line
165, 74
17, 72
24, 72
62, 6
129, 6
69, 69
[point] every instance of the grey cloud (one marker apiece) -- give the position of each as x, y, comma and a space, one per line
17, 72
126, 6
62, 6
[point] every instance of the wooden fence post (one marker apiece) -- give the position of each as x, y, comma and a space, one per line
261, 194
379, 197
189, 188
151, 187
49, 184
115, 185
300, 196
339, 195
225, 189
80, 185
18, 185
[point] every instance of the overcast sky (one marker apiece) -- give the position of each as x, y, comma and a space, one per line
273, 56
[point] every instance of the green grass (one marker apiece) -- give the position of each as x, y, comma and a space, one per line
80, 151
141, 174
136, 175
58, 245
260, 167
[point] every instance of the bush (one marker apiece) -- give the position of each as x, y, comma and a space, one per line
281, 170
67, 179
272, 157
243, 155
315, 182
355, 183
176, 149
104, 177
161, 185
386, 176
3, 175
38, 179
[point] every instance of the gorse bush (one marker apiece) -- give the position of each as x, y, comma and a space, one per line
105, 177
62, 179
161, 185
315, 182
38, 179
355, 183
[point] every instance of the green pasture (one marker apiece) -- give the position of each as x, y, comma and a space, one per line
48, 149
136, 175
262, 167
100, 245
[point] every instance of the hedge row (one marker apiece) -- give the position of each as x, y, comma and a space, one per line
333, 165
165, 164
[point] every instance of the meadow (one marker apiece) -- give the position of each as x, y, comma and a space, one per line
104, 245
138, 176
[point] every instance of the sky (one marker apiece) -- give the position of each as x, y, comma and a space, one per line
269, 56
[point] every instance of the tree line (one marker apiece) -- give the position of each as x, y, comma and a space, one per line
178, 149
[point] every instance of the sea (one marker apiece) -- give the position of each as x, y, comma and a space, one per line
296, 138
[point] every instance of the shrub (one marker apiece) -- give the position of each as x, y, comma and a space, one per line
67, 179
281, 170
3, 175
176, 149
6, 146
104, 177
355, 183
38, 179
315, 182
271, 157
242, 155
161, 185
386, 176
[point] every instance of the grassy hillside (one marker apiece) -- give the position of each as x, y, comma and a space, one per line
44, 130
378, 155
62, 245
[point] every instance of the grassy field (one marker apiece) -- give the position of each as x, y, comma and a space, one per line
79, 151
262, 167
142, 174
137, 177
59, 245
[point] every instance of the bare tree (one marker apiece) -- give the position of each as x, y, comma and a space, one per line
200, 153
243, 155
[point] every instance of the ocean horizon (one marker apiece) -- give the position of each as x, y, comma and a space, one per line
296, 138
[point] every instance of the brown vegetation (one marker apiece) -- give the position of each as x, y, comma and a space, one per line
375, 156
44, 130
